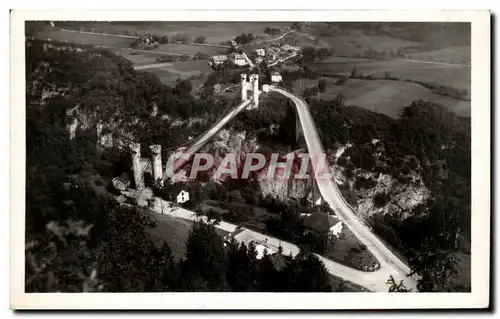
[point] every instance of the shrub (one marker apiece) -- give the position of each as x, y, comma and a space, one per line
199, 40
163, 39
380, 199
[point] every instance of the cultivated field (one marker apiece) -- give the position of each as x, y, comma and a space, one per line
387, 97
214, 32
138, 58
47, 32
169, 73
356, 43
449, 75
452, 55
190, 49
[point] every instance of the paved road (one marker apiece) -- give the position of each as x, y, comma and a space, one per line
268, 40
390, 264
282, 60
152, 66
433, 62
374, 281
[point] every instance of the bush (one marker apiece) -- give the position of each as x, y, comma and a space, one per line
163, 39
199, 40
380, 199
322, 84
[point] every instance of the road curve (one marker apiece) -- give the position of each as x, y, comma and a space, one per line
390, 264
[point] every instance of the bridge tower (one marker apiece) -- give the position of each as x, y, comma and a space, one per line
244, 87
253, 86
135, 148
255, 90
156, 161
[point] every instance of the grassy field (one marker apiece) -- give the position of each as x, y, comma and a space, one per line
453, 55
194, 70
46, 32
173, 231
354, 43
137, 58
214, 32
190, 49
444, 42
387, 97
454, 76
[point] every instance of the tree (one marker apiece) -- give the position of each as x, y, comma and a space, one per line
242, 267
206, 260
322, 84
306, 273
396, 287
183, 88
200, 39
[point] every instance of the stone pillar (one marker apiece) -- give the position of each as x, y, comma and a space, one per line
243, 87
136, 165
154, 112
156, 161
256, 90
100, 126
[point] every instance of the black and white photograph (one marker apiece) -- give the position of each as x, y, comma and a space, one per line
256, 156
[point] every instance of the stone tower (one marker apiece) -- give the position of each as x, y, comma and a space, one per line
244, 87
255, 90
135, 148
156, 161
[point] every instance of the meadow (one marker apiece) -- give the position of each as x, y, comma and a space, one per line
213, 31
383, 96
449, 75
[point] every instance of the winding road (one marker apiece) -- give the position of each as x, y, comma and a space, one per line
390, 264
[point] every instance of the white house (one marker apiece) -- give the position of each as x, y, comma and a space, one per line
217, 60
182, 197
276, 77
336, 229
261, 52
261, 251
239, 59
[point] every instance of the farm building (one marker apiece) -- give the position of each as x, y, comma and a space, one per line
324, 222
182, 197
276, 77
217, 60
239, 59
121, 182
261, 52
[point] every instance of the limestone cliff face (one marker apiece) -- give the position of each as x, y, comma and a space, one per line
240, 144
403, 197
115, 132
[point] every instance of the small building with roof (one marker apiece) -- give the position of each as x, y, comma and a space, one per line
122, 182
239, 59
217, 60
276, 77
